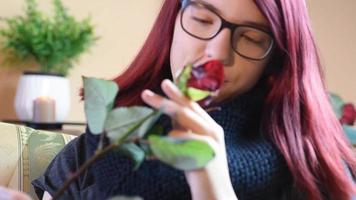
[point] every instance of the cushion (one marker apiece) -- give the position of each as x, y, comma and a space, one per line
25, 154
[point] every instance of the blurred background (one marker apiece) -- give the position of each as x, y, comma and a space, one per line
123, 26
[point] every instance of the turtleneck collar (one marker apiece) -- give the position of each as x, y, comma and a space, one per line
239, 115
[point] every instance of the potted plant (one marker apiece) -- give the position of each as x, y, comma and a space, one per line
54, 42
346, 113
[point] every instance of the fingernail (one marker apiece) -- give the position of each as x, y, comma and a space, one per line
165, 83
147, 93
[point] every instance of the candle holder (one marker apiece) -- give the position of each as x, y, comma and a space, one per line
33, 85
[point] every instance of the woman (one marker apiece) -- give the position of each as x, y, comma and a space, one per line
6, 193
275, 134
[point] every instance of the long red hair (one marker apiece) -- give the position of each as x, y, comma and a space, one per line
297, 114
297, 109
151, 65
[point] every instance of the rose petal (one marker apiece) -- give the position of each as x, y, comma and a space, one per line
202, 81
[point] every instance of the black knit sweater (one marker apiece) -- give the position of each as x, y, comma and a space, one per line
257, 169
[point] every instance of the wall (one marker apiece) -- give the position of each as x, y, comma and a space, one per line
334, 24
123, 26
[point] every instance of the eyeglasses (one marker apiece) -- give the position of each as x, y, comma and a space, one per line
202, 22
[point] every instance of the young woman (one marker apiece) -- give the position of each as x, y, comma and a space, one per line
275, 134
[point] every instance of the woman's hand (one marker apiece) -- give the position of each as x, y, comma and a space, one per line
190, 121
9, 194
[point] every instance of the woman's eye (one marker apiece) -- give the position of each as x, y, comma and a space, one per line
202, 21
253, 40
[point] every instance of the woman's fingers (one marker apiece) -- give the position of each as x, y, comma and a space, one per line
9, 194
184, 116
171, 90
174, 93
169, 107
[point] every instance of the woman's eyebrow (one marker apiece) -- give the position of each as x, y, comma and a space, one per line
210, 6
262, 26
259, 25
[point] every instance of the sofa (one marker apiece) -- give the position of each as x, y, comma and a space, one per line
25, 153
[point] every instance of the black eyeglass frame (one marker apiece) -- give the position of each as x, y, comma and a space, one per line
225, 24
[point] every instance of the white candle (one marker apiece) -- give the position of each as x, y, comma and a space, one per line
44, 110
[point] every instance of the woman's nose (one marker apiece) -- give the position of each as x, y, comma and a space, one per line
219, 47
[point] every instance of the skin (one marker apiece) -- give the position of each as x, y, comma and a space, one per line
240, 74
9, 194
190, 120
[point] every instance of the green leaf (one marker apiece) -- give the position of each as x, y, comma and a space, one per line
125, 198
183, 78
196, 94
147, 125
134, 152
99, 96
155, 130
126, 120
182, 154
350, 132
337, 103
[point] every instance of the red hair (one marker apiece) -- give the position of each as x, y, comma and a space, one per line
151, 65
297, 114
297, 109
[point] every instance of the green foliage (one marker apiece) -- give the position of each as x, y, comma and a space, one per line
183, 78
55, 42
196, 94
350, 132
180, 153
129, 127
134, 152
337, 103
126, 120
99, 96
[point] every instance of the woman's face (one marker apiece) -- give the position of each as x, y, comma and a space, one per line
241, 74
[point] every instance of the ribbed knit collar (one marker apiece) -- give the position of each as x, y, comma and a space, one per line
238, 115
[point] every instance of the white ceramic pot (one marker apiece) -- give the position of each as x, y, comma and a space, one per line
33, 85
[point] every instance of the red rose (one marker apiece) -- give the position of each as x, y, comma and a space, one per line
207, 77
348, 114
200, 83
